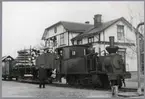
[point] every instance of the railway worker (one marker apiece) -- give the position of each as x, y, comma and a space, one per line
124, 82
42, 74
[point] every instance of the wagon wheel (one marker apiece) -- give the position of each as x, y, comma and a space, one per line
16, 78
10, 78
50, 81
70, 80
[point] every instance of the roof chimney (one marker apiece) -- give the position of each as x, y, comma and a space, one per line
97, 20
87, 22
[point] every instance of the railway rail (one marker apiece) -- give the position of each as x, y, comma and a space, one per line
58, 84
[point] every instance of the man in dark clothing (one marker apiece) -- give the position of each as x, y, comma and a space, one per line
124, 82
42, 76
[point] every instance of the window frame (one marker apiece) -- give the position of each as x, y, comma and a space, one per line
55, 29
62, 39
91, 39
79, 42
55, 41
71, 53
120, 32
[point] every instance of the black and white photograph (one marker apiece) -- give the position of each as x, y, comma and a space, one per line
73, 49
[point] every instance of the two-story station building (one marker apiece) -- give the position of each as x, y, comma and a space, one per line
96, 35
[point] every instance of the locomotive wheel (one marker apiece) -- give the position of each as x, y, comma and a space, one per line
113, 82
96, 81
10, 78
16, 78
119, 82
4, 78
116, 82
105, 81
106, 84
50, 81
74, 82
70, 80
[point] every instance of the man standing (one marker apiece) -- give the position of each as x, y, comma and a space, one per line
42, 76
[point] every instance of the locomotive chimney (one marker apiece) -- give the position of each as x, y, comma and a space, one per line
111, 39
112, 49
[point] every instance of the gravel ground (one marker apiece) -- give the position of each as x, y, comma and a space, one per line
15, 89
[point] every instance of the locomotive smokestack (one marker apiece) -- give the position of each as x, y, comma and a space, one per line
112, 49
111, 39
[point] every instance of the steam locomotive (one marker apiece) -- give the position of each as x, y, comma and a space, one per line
82, 66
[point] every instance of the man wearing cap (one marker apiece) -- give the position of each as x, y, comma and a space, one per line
42, 76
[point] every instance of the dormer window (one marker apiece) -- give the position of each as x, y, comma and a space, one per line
91, 39
55, 29
120, 32
79, 42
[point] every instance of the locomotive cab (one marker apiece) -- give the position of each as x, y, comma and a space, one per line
72, 59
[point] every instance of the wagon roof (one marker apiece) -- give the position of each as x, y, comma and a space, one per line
4, 57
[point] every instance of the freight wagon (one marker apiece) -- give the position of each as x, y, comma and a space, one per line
8, 69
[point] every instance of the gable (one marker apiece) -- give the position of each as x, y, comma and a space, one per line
129, 35
64, 26
93, 31
53, 31
5, 57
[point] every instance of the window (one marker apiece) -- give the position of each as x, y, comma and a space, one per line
90, 39
120, 32
55, 41
61, 38
55, 29
85, 51
73, 53
79, 42
73, 43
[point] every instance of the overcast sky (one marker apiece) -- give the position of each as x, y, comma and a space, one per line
23, 23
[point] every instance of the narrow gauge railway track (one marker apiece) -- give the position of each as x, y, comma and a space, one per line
92, 88
56, 84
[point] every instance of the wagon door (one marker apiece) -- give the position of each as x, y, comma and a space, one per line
91, 63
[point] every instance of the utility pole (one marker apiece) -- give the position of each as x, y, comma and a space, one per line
30, 60
138, 56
